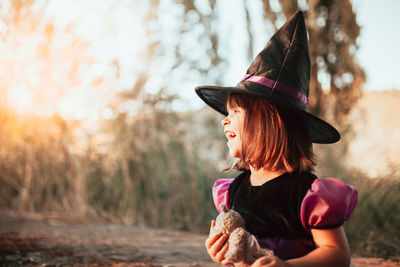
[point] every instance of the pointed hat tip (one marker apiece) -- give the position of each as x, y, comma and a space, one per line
298, 15
292, 23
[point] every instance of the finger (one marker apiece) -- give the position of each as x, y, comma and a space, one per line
216, 247
220, 256
256, 263
211, 240
212, 225
224, 249
261, 261
225, 262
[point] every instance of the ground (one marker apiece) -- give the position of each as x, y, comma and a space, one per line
57, 240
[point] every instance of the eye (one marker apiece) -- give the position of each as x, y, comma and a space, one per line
234, 111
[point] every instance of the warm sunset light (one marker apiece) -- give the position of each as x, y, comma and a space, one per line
109, 157
70, 58
19, 99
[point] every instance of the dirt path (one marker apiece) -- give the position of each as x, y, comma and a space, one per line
36, 240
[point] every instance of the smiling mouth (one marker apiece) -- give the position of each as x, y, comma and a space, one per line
230, 134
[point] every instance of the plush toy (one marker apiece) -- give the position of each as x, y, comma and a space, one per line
243, 246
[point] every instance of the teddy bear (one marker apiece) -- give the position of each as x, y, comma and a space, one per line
243, 246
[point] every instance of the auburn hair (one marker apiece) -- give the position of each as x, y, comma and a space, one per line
273, 136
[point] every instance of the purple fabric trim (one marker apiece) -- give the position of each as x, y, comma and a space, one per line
277, 85
286, 248
328, 202
220, 192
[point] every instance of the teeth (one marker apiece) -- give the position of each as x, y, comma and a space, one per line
230, 134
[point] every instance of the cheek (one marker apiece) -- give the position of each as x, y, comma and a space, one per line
240, 133
239, 128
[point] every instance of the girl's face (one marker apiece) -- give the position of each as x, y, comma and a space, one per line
233, 127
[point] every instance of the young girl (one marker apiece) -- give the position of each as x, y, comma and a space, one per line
269, 130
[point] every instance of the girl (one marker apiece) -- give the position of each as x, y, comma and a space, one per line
269, 130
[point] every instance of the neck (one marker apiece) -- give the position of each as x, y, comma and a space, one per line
261, 176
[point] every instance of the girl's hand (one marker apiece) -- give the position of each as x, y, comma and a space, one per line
270, 261
217, 246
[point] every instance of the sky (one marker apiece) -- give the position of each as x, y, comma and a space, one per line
379, 52
378, 42
30, 76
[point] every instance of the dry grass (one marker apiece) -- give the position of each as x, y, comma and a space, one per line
155, 170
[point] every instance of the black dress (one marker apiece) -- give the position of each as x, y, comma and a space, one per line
272, 209
281, 211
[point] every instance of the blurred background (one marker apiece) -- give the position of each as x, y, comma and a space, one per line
98, 115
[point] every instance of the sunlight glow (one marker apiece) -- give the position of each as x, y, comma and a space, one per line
67, 108
74, 59
107, 114
19, 99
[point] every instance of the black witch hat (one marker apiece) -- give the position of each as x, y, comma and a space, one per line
281, 74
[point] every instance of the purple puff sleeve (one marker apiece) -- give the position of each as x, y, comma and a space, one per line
220, 192
327, 204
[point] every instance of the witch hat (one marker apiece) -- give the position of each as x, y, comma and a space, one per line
281, 74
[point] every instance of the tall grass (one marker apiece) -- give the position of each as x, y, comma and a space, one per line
157, 169
374, 227
142, 170
37, 169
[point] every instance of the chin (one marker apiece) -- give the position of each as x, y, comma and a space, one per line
234, 150
234, 154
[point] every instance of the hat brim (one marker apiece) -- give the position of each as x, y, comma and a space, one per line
216, 96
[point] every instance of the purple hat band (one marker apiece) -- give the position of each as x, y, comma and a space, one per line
277, 86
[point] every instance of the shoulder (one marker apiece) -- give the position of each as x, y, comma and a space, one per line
304, 178
221, 190
239, 180
298, 183
328, 203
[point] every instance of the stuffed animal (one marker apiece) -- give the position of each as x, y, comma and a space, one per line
243, 246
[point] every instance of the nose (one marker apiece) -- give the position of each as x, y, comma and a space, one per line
225, 121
